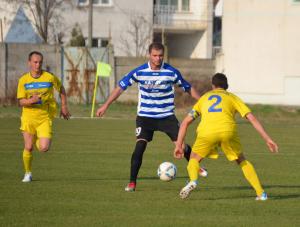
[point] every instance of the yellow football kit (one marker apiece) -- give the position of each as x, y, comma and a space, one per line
37, 118
218, 127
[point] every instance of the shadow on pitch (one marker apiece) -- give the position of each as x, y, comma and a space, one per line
250, 188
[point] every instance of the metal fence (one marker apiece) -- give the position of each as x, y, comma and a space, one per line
76, 66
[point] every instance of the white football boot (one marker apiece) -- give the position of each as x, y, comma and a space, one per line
27, 177
263, 197
185, 192
203, 172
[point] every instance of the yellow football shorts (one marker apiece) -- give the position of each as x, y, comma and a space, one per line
42, 128
207, 146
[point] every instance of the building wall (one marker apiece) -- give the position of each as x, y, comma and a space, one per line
188, 34
260, 50
114, 19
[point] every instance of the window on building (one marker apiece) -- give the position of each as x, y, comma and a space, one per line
95, 42
104, 43
174, 4
163, 2
177, 5
95, 2
82, 2
102, 2
98, 42
185, 5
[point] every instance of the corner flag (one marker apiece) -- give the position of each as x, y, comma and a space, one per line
103, 70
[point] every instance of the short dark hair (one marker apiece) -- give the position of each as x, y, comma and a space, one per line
220, 80
34, 52
156, 46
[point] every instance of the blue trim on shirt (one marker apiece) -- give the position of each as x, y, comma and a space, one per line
38, 85
155, 73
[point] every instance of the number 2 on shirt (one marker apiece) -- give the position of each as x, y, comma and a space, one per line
213, 107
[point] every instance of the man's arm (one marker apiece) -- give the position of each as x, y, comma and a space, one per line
113, 96
178, 152
194, 93
259, 128
64, 106
28, 102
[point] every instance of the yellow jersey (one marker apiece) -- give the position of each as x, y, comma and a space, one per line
217, 109
44, 87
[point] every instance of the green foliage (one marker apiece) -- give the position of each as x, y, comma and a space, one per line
77, 39
81, 181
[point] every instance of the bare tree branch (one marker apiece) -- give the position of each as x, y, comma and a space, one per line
139, 33
44, 14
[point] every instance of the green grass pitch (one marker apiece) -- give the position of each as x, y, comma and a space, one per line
81, 181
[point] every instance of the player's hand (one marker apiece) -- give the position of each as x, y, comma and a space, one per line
35, 98
101, 111
273, 147
65, 113
178, 152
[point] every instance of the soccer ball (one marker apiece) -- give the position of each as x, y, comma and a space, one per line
166, 171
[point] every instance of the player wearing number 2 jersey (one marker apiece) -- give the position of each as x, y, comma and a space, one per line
218, 129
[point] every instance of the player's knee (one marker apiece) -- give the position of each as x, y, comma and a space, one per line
43, 148
140, 147
28, 147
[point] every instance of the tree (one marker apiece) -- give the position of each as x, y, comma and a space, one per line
77, 38
46, 16
139, 33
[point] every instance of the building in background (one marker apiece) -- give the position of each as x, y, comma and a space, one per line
261, 49
185, 26
21, 30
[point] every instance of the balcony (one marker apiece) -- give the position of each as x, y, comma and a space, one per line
171, 20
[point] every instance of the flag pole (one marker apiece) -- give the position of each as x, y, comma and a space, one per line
94, 96
103, 70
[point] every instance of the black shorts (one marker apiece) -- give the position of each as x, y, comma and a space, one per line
145, 127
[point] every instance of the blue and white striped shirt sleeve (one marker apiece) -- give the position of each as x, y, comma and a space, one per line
182, 83
128, 80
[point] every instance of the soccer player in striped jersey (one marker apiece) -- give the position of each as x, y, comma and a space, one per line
217, 128
36, 96
155, 112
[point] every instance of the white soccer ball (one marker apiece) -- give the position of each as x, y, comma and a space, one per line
166, 171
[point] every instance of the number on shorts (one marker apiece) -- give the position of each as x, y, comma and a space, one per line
213, 107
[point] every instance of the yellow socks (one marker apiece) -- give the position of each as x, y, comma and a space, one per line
251, 176
27, 158
193, 169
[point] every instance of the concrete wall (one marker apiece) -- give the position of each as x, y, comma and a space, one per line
76, 67
260, 50
13, 64
77, 70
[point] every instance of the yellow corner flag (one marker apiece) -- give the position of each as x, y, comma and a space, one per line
103, 69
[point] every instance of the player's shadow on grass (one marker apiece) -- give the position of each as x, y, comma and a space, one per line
156, 177
272, 196
248, 187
